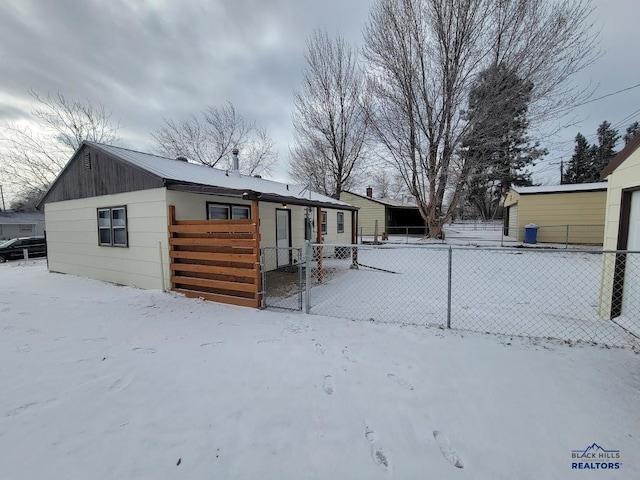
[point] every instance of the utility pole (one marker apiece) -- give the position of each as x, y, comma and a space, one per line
2, 195
561, 171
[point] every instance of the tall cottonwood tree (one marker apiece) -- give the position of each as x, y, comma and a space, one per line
210, 137
36, 152
329, 119
423, 56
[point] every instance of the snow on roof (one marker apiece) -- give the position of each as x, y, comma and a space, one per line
576, 187
176, 170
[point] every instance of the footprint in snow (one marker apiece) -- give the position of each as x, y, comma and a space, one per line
144, 350
212, 344
328, 385
347, 355
377, 452
24, 348
400, 381
320, 349
273, 340
448, 452
121, 383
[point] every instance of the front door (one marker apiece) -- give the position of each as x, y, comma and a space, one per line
283, 237
631, 286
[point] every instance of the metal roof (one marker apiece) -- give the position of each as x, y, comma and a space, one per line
574, 187
192, 173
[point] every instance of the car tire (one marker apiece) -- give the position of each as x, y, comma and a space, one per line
2, 259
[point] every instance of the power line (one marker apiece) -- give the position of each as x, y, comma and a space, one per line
605, 96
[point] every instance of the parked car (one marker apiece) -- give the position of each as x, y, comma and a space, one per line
14, 248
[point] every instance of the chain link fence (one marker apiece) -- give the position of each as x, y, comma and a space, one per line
581, 296
282, 278
571, 234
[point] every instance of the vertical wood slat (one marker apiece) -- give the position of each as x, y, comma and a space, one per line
255, 216
190, 282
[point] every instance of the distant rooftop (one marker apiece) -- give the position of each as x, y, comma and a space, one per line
574, 187
15, 218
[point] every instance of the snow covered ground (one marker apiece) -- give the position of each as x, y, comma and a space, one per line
530, 292
106, 382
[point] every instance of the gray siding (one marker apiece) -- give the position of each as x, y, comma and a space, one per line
107, 176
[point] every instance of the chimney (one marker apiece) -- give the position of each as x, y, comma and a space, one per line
369, 192
182, 159
236, 163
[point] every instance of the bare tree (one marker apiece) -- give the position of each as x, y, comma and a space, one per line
210, 137
423, 56
330, 121
387, 183
34, 155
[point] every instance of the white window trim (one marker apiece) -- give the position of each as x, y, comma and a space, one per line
338, 215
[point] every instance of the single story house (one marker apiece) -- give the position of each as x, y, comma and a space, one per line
564, 213
620, 287
21, 224
139, 219
393, 217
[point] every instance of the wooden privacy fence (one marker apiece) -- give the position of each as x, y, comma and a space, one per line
216, 260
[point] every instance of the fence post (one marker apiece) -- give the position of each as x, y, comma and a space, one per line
263, 272
407, 228
566, 242
449, 288
307, 271
299, 251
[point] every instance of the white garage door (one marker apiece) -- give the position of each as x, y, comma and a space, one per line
513, 221
631, 288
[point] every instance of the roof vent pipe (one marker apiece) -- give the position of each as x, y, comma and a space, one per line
236, 163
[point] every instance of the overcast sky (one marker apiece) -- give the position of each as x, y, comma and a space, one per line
145, 60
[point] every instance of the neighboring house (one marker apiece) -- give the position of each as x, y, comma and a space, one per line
139, 219
562, 212
21, 224
620, 294
393, 216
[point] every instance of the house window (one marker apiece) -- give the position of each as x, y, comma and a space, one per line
340, 222
220, 211
324, 222
112, 226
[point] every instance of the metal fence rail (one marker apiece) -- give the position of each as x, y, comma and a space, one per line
571, 295
282, 278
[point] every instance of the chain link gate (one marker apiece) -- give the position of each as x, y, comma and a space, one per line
282, 277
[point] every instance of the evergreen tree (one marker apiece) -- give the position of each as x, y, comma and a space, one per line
631, 132
580, 163
604, 151
497, 145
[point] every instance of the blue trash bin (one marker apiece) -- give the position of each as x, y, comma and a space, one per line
530, 233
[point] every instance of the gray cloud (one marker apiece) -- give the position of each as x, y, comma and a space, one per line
149, 60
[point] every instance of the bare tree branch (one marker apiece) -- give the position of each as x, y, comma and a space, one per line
210, 138
31, 159
330, 122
